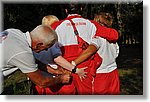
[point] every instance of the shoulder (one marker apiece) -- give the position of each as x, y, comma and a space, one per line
15, 33
95, 23
13, 30
56, 24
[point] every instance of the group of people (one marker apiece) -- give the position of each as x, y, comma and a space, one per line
66, 57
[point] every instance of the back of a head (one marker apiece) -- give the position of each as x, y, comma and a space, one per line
44, 34
49, 19
74, 8
104, 19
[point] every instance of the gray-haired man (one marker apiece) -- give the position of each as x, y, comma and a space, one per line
17, 53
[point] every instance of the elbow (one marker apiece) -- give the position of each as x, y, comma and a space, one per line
43, 83
38, 79
116, 36
113, 36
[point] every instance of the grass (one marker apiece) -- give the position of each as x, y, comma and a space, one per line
17, 84
130, 66
131, 83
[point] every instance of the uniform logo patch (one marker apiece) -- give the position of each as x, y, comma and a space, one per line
3, 35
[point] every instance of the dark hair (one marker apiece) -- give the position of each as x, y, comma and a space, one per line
73, 8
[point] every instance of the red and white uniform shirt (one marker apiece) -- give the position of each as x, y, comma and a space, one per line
64, 30
109, 52
89, 31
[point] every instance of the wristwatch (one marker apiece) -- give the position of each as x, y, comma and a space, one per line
74, 69
73, 63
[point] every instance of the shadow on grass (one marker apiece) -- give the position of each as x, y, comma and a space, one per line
130, 66
131, 84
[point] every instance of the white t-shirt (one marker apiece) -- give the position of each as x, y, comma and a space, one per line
17, 53
1, 76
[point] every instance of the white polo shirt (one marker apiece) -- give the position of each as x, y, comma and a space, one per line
17, 53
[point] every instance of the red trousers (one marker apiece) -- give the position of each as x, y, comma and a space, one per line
107, 83
103, 84
68, 89
77, 86
84, 87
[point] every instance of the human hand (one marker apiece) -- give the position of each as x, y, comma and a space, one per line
54, 71
65, 78
66, 71
82, 74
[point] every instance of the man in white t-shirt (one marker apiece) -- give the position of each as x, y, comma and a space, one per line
17, 53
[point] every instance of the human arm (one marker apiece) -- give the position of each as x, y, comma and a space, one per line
49, 69
58, 59
68, 66
42, 81
109, 34
25, 62
55, 53
64, 63
86, 54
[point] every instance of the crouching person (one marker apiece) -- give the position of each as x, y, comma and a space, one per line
17, 51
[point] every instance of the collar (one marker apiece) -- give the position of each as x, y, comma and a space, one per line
71, 16
27, 34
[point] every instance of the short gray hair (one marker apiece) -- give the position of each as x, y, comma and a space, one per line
51, 38
44, 34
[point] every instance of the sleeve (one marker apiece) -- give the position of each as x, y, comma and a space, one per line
25, 62
55, 50
47, 56
109, 34
97, 41
55, 24
117, 50
44, 56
